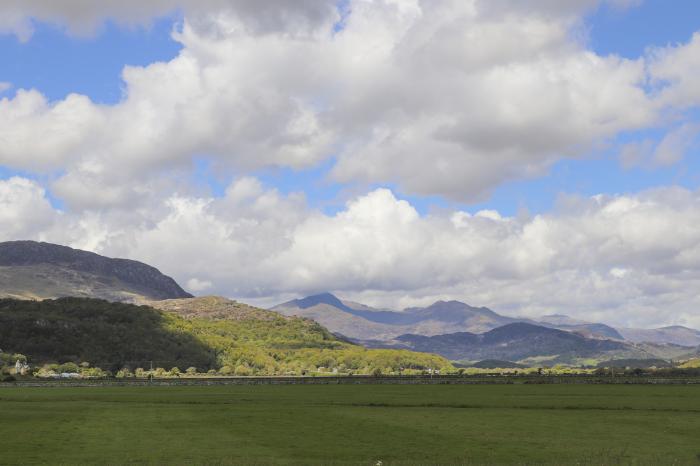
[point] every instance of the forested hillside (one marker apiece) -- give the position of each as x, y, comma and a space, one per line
117, 335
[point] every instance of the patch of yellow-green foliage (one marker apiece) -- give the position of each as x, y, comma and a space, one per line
293, 346
691, 364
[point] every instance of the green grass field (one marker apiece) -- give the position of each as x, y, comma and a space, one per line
341, 424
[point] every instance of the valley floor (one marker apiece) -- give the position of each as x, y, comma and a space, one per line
343, 424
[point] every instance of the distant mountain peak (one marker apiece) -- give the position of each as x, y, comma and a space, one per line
455, 304
523, 328
320, 298
677, 327
457, 310
561, 319
449, 302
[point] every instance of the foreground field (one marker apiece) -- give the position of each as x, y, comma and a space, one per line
336, 424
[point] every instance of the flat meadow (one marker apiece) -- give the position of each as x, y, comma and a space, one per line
352, 424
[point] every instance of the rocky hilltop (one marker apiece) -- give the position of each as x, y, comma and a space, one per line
37, 270
214, 308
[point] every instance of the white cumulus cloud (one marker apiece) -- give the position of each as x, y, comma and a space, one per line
446, 97
627, 259
24, 209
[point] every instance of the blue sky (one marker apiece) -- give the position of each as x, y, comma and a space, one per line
58, 64
630, 32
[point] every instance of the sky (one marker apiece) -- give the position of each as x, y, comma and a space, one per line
532, 156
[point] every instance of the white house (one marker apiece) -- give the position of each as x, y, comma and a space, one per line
21, 367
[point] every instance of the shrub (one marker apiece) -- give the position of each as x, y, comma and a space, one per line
68, 367
243, 370
124, 372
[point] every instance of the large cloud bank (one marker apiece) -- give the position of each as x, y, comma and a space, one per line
625, 259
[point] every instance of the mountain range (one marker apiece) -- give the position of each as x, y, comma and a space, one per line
523, 342
465, 333
363, 322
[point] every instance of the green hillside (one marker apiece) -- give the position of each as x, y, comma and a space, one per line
116, 335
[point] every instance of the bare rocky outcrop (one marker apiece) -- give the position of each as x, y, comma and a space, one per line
213, 308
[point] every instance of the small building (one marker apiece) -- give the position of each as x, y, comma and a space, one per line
21, 367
